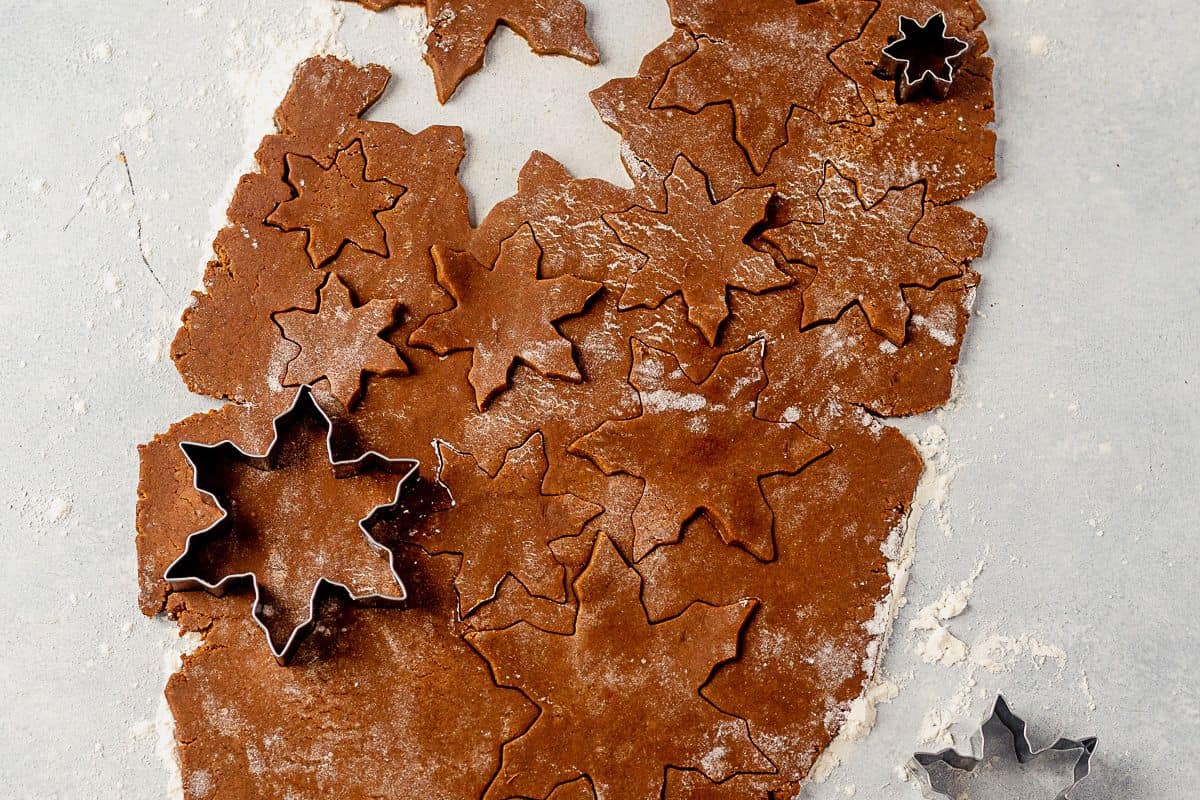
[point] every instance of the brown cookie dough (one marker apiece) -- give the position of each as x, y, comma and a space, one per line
503, 525
504, 314
260, 270
948, 144
460, 31
608, 419
340, 342
764, 57
863, 255
695, 247
389, 703
825, 374
811, 634
712, 428
335, 205
616, 673
566, 216
654, 138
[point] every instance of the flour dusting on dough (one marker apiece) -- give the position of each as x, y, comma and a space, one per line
264, 54
859, 719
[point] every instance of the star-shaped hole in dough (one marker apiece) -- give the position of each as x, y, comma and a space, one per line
336, 205
503, 524
341, 342
696, 247
764, 57
504, 315
699, 448
459, 31
863, 254
295, 521
616, 674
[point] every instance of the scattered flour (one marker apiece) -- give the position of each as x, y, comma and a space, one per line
932, 447
153, 350
665, 400
1086, 689
859, 719
998, 653
935, 728
941, 646
414, 30
162, 727
137, 117
57, 509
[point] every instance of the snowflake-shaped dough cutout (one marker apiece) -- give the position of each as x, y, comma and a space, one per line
864, 254
336, 205
503, 524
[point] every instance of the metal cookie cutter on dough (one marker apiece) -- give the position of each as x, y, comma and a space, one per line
405, 468
920, 762
921, 58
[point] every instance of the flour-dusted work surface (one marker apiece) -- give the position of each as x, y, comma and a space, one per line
1058, 500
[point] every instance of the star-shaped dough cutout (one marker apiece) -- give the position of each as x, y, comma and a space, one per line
294, 521
566, 215
653, 138
340, 342
503, 524
335, 205
504, 315
696, 247
459, 31
699, 448
617, 673
764, 57
863, 254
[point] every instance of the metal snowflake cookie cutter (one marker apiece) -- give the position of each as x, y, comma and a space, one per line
921, 58
919, 764
404, 468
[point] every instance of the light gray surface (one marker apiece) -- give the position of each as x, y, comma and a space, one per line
1074, 433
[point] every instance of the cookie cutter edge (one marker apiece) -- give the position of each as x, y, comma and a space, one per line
920, 762
406, 468
905, 89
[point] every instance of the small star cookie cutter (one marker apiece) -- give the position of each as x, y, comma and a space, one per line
921, 58
177, 576
920, 763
